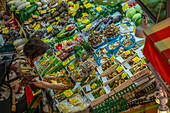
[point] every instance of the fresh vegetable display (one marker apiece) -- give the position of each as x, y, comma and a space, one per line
106, 65
94, 85
111, 31
95, 38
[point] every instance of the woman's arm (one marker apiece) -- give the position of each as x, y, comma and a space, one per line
43, 84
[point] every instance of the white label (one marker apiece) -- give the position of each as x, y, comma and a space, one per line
140, 54
108, 89
90, 96
127, 65
99, 69
129, 73
120, 59
88, 88
104, 79
77, 85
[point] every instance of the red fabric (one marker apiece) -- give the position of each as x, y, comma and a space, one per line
158, 62
29, 94
160, 35
166, 53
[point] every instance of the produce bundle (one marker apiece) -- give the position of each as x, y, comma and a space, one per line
95, 38
111, 31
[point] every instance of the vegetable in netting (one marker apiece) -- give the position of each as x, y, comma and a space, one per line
131, 12
77, 48
137, 7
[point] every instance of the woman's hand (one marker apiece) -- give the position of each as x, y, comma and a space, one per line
61, 86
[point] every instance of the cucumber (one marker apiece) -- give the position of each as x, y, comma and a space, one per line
56, 67
33, 8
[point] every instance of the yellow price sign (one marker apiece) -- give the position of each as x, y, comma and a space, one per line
88, 5
94, 73
113, 58
45, 54
134, 29
68, 93
58, 53
102, 92
79, 20
57, 18
85, 21
63, 71
143, 63
74, 101
72, 57
125, 7
37, 27
5, 30
0, 27
53, 23
33, 25
74, 14
88, 26
71, 66
85, 15
119, 69
52, 10
136, 59
20, 32
127, 52
75, 36
65, 62
67, 27
57, 22
98, 8
28, 6
93, 85
124, 75
49, 28
59, 1
62, 34
85, 2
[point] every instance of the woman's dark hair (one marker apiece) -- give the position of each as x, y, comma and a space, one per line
35, 47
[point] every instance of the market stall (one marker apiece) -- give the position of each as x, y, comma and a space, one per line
91, 48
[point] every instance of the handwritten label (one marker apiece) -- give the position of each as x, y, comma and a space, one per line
28, 6
134, 29
62, 34
98, 8
71, 66
74, 101
49, 28
58, 53
127, 52
143, 63
63, 71
119, 69
68, 93
59, 1
85, 2
125, 7
88, 26
85, 15
72, 57
124, 75
93, 86
94, 73
136, 59
67, 27
102, 92
75, 36
33, 25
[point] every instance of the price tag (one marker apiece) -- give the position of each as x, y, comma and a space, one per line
57, 18
127, 65
57, 22
143, 63
94, 73
51, 60
5, 30
12, 16
112, 58
74, 101
125, 7
88, 5
37, 27
65, 62
136, 59
93, 85
134, 29
44, 11
127, 52
20, 32
68, 93
62, 34
85, 2
85, 21
72, 57
85, 15
58, 53
67, 27
74, 14
67, 48
33, 25
0, 27
52, 10
119, 69
63, 71
91, 97
79, 20
120, 59
45, 54
102, 92
98, 8
28, 6
45, 40
104, 79
59, 1
71, 66
88, 26
49, 28
75, 36
88, 88
53, 81
124, 75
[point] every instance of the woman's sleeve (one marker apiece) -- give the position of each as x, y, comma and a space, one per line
27, 73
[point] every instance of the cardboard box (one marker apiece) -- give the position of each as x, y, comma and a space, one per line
124, 85
98, 100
